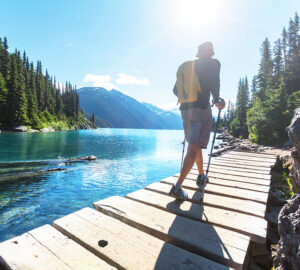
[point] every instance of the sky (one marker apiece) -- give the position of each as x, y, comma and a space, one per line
136, 46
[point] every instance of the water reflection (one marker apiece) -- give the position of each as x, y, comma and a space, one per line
38, 146
127, 160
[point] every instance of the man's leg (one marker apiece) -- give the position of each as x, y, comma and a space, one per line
189, 161
199, 162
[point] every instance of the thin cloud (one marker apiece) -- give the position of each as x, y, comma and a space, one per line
104, 81
69, 44
128, 79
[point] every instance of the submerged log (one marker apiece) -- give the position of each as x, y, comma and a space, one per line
46, 162
14, 176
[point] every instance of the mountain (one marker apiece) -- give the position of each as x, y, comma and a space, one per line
169, 117
115, 109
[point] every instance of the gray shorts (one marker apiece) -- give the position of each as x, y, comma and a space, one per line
197, 124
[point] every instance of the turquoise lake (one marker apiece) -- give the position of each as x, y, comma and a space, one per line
128, 160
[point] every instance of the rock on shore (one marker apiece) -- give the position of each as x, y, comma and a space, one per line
231, 143
286, 255
294, 135
20, 129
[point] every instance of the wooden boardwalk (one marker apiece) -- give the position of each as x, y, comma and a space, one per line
148, 229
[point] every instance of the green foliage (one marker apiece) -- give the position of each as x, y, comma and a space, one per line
3, 97
285, 181
28, 96
238, 124
275, 91
59, 125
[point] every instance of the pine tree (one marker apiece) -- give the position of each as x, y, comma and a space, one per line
253, 88
284, 46
292, 79
239, 123
278, 63
4, 59
40, 87
27, 96
3, 100
93, 118
17, 102
264, 76
32, 100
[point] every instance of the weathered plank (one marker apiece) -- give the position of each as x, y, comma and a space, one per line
71, 253
254, 154
254, 164
222, 190
248, 158
230, 183
236, 172
233, 181
26, 253
250, 168
219, 201
216, 243
127, 247
252, 226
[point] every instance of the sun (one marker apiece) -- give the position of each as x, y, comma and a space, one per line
198, 13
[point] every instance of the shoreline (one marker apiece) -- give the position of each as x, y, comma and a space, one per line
232, 143
24, 129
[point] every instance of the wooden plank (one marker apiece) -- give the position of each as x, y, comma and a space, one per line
26, 253
245, 162
222, 202
237, 172
260, 154
254, 154
127, 247
248, 159
229, 183
233, 180
252, 226
222, 190
250, 168
256, 159
68, 251
221, 245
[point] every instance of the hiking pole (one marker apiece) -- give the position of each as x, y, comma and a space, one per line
182, 153
210, 155
212, 147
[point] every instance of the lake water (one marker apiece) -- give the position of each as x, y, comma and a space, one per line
128, 160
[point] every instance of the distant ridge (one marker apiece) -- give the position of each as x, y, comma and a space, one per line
115, 109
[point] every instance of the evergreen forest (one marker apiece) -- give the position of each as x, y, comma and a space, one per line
265, 105
31, 97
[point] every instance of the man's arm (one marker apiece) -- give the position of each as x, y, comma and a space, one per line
175, 91
215, 68
215, 84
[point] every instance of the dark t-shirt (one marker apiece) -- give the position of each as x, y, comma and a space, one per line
208, 71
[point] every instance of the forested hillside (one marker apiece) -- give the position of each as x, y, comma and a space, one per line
31, 97
265, 110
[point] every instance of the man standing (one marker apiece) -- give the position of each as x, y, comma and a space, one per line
195, 81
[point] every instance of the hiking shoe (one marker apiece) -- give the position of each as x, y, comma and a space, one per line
202, 180
178, 193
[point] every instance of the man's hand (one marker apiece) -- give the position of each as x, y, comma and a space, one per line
220, 104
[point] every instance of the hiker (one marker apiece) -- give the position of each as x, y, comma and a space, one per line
195, 81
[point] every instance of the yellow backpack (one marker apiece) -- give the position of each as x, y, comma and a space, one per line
187, 83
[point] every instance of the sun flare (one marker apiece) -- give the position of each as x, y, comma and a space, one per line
198, 13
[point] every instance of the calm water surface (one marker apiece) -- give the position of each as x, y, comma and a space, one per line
128, 160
